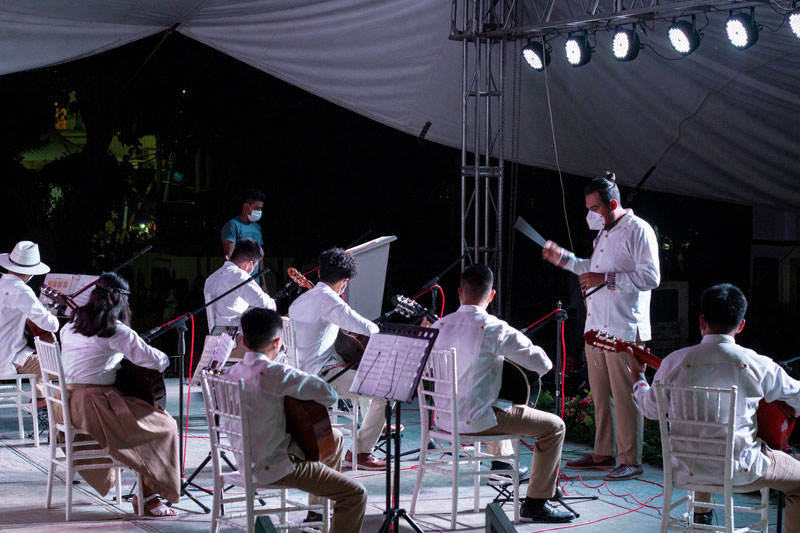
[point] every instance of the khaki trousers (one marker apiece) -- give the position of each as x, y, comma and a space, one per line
612, 394
548, 430
133, 432
31, 366
322, 480
783, 474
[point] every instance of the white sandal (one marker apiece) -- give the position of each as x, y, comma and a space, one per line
159, 511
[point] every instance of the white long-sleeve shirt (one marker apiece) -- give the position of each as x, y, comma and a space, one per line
628, 256
482, 342
18, 303
266, 383
228, 311
318, 314
95, 360
719, 362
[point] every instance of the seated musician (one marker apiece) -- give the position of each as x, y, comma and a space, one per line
132, 431
227, 311
479, 378
277, 460
18, 303
318, 315
718, 362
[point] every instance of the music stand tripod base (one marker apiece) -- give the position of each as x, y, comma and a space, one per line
394, 514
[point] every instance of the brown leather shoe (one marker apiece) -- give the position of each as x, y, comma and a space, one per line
623, 472
588, 462
366, 461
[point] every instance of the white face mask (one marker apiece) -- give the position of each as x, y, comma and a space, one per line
595, 220
254, 216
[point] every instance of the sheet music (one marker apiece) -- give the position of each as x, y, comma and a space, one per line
393, 362
68, 284
216, 350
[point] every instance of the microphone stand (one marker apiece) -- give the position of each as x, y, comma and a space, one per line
561, 317
118, 267
179, 324
435, 279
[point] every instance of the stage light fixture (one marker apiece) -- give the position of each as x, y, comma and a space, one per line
625, 44
578, 50
742, 30
683, 37
536, 55
794, 22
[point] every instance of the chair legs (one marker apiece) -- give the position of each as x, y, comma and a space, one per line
34, 414
68, 479
140, 494
423, 459
20, 398
51, 466
454, 448
354, 434
476, 482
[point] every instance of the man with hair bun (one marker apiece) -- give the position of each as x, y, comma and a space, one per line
625, 259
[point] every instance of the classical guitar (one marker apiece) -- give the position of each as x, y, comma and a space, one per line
309, 424
147, 384
520, 386
32, 330
775, 420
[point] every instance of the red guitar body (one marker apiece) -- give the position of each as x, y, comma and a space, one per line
775, 420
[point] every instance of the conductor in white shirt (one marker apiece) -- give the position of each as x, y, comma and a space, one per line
277, 460
719, 362
482, 342
318, 315
625, 258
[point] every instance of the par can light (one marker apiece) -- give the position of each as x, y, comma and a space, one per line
536, 55
625, 45
742, 30
683, 37
794, 22
578, 50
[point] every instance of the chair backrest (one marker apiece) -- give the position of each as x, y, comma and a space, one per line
290, 341
226, 412
438, 388
697, 430
209, 311
55, 385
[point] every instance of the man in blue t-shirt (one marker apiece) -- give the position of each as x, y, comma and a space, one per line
245, 226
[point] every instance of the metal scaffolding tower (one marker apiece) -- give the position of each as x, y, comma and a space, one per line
482, 131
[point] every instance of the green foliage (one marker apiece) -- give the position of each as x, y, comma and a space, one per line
579, 420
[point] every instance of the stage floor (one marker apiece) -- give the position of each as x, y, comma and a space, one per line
23, 480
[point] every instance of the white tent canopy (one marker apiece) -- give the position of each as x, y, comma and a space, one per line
721, 123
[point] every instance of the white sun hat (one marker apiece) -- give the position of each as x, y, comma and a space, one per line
24, 259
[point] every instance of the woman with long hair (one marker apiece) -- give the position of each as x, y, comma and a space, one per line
135, 433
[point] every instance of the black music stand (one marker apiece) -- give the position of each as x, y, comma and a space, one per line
394, 377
